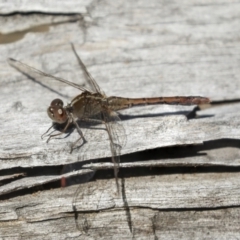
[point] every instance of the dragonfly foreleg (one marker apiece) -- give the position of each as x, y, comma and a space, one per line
63, 131
47, 131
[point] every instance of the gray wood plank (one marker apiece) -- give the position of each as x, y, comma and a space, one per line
100, 211
133, 49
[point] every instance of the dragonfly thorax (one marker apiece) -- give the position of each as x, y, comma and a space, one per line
57, 112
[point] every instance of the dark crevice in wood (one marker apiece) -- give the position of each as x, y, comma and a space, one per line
125, 117
126, 206
153, 171
177, 152
225, 102
200, 209
29, 13
158, 155
18, 35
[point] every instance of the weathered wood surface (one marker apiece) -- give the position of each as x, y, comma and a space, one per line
140, 213
133, 49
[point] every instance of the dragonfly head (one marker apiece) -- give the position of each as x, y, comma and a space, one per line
57, 112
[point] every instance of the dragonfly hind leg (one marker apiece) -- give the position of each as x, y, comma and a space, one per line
80, 133
90, 120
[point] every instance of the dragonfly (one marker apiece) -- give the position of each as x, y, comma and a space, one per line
95, 106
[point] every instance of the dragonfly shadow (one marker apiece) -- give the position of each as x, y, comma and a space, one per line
126, 206
83, 125
125, 117
188, 114
57, 127
89, 125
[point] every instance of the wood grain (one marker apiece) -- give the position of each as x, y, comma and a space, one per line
180, 166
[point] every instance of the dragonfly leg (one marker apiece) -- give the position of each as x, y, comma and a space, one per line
47, 131
80, 133
63, 131
79, 130
75, 143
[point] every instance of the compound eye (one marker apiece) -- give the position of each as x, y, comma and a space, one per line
50, 112
57, 114
57, 102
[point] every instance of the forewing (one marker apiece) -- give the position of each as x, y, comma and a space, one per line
36, 74
91, 81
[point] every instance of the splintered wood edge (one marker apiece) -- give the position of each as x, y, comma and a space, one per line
29, 182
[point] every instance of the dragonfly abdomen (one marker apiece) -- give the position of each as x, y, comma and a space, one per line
117, 103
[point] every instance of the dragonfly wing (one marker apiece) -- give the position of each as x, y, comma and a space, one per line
117, 138
117, 128
36, 74
95, 87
